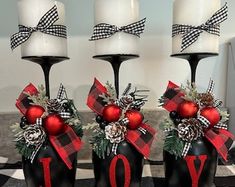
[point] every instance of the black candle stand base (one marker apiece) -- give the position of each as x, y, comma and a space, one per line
193, 60
46, 62
116, 61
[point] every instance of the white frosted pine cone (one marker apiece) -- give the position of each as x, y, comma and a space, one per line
115, 132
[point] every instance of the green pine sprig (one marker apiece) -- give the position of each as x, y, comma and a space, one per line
224, 116
77, 129
40, 98
167, 123
173, 144
100, 145
111, 94
15, 128
111, 91
24, 149
190, 91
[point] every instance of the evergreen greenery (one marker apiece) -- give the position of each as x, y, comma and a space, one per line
224, 116
24, 149
173, 144
111, 94
100, 145
190, 91
40, 98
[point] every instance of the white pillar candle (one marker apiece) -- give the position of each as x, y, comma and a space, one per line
40, 44
195, 13
119, 13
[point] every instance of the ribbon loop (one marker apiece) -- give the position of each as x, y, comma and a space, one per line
45, 25
61, 93
49, 18
187, 146
220, 16
203, 121
191, 33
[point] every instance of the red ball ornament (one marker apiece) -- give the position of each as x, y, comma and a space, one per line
112, 113
135, 119
34, 112
211, 114
188, 109
54, 124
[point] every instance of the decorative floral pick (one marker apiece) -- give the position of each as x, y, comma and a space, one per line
55, 120
119, 119
192, 116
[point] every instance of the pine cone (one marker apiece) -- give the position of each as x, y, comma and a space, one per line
190, 129
115, 132
53, 105
124, 101
34, 135
206, 99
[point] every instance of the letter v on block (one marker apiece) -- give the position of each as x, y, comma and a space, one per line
195, 175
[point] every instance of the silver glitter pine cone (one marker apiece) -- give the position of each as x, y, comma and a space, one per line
53, 105
34, 135
190, 129
115, 132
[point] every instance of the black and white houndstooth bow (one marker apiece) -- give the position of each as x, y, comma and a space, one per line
191, 33
45, 25
104, 30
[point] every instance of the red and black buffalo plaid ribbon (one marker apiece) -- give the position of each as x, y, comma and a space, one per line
23, 101
172, 97
67, 145
221, 140
142, 141
94, 101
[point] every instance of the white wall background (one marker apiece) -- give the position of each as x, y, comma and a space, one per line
152, 70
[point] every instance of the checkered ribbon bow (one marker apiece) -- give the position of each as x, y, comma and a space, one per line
67, 145
104, 30
172, 97
141, 138
23, 102
191, 33
45, 25
94, 101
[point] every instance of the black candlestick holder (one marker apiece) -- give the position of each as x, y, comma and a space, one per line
46, 62
193, 60
116, 61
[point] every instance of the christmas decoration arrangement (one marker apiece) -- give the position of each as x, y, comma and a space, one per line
118, 119
192, 116
47, 120
49, 134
